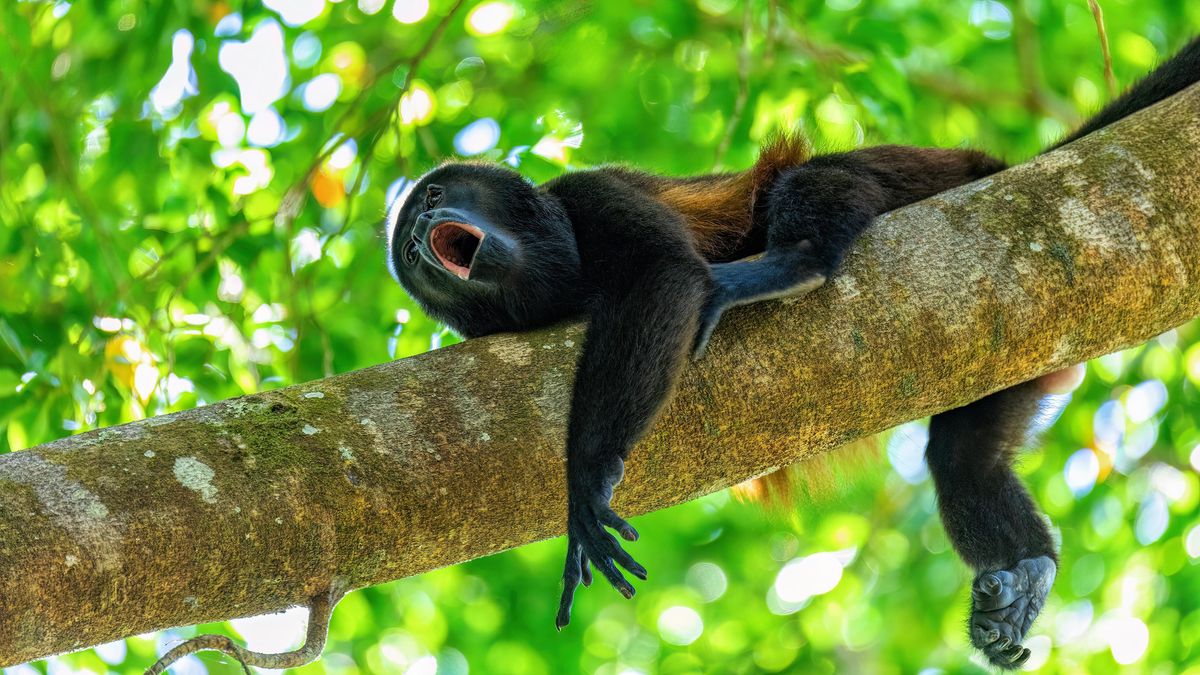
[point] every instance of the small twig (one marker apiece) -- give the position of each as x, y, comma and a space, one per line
1038, 98
167, 256
293, 302
1109, 78
743, 91
320, 610
326, 342
825, 55
772, 36
949, 87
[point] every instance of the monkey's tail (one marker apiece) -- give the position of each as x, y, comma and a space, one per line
1171, 77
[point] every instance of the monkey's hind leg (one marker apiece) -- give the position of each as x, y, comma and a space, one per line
989, 517
813, 213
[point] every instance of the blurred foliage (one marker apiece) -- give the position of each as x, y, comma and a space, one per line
146, 149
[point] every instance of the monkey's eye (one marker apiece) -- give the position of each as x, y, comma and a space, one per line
410, 253
433, 196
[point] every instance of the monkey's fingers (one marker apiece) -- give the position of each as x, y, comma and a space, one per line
614, 576
585, 570
612, 550
564, 606
609, 518
605, 551
571, 576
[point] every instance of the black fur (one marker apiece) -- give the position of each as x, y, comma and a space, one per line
991, 520
646, 259
529, 245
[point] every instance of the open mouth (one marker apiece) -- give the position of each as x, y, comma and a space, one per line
455, 245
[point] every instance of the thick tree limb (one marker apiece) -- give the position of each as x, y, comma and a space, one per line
262, 502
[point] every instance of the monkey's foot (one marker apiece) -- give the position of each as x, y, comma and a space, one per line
1004, 605
710, 316
783, 272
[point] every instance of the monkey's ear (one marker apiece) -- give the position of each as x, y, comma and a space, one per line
433, 195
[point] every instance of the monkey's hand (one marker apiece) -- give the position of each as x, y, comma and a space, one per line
588, 513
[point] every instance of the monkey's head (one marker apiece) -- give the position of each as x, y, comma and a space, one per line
483, 250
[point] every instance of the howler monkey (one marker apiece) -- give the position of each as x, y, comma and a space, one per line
653, 261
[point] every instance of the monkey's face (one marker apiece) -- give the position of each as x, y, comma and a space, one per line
484, 251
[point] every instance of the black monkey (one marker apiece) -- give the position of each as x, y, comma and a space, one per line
653, 261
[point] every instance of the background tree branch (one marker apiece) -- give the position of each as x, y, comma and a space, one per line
262, 502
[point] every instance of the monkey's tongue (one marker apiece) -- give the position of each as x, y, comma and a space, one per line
454, 245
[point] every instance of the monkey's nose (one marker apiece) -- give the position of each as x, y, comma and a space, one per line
421, 228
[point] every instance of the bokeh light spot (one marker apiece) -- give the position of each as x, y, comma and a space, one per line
805, 577
1127, 638
321, 92
417, 105
273, 632
680, 625
229, 25
1191, 543
370, 6
259, 65
306, 50
478, 136
1145, 399
993, 17
490, 18
266, 128
707, 579
296, 12
1153, 518
906, 452
410, 11
179, 82
1081, 471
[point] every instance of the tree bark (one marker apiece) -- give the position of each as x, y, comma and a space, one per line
262, 502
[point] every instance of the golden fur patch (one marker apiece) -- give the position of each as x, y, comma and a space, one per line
719, 209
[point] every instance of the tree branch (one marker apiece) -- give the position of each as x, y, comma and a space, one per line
320, 611
262, 502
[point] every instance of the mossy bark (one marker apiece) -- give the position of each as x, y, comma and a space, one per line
258, 503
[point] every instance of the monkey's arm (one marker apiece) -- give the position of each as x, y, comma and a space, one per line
648, 286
